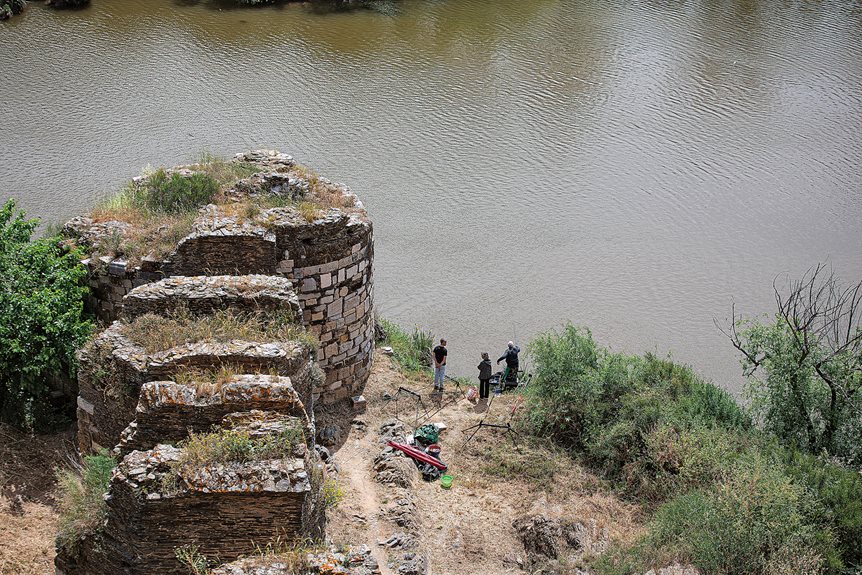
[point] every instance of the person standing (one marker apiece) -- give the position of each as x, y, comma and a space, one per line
511, 357
440, 353
484, 376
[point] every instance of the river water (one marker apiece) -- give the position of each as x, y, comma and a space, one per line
632, 166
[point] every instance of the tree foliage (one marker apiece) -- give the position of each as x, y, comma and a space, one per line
41, 317
805, 367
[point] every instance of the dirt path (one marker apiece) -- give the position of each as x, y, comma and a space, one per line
466, 530
354, 459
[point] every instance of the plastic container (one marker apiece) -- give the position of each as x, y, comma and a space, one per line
433, 450
446, 481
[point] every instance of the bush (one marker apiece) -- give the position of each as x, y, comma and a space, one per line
734, 501
81, 498
196, 562
9, 8
609, 407
175, 193
839, 492
41, 318
756, 521
332, 493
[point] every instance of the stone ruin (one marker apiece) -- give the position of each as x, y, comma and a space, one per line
328, 260
142, 401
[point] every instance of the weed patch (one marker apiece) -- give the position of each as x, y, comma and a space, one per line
237, 446
81, 498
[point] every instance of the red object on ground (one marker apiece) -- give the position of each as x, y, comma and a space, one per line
418, 455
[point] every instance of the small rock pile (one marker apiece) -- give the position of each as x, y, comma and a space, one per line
549, 542
397, 471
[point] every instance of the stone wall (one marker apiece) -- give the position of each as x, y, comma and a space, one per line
168, 411
156, 504
205, 294
330, 262
113, 369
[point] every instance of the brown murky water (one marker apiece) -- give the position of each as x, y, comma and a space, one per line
630, 167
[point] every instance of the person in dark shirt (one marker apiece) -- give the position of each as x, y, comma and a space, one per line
484, 376
440, 353
511, 357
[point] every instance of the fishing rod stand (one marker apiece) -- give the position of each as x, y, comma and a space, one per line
403, 392
509, 431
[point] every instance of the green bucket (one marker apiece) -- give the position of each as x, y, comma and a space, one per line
446, 481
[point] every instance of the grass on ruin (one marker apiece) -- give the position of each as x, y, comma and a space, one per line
81, 498
410, 350
163, 205
159, 333
196, 562
207, 382
237, 446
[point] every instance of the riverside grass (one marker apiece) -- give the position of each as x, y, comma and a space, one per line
411, 350
723, 495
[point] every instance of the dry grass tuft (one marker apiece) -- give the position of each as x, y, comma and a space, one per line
159, 333
207, 382
225, 172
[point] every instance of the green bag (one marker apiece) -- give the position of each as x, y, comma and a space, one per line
427, 434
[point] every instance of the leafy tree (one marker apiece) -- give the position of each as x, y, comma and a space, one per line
41, 317
805, 367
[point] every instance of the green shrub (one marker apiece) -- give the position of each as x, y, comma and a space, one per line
196, 562
756, 521
839, 492
9, 8
566, 397
411, 350
81, 498
608, 406
332, 493
175, 193
41, 318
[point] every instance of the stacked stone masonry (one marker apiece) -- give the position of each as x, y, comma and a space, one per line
113, 370
158, 502
144, 401
329, 259
157, 505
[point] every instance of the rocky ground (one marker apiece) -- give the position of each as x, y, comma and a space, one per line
510, 509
